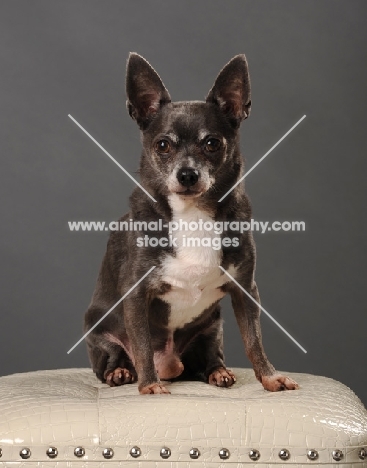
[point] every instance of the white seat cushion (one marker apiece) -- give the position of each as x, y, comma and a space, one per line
68, 409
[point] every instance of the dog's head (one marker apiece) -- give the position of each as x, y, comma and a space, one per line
190, 147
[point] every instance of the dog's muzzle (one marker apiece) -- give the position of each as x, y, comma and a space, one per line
187, 176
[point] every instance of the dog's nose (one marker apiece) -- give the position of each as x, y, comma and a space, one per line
187, 176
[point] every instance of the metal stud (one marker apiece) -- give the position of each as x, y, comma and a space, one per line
312, 454
25, 453
79, 452
224, 454
362, 454
337, 455
135, 452
194, 453
1, 453
284, 454
254, 454
165, 452
108, 453
52, 452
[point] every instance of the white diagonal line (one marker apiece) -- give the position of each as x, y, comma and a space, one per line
261, 159
113, 307
113, 159
262, 308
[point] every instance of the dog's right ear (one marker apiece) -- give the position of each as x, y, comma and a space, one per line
146, 93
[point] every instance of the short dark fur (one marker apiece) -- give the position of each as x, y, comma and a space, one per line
140, 321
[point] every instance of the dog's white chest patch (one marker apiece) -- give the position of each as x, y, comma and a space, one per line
194, 273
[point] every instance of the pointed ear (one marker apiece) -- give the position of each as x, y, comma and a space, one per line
232, 90
145, 91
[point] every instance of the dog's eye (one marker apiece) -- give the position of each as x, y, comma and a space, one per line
162, 146
212, 145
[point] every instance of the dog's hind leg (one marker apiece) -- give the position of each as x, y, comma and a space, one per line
98, 359
110, 362
216, 372
203, 359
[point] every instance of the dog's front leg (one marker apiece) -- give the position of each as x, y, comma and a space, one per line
136, 309
248, 318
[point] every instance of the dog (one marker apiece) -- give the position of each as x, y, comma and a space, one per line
169, 326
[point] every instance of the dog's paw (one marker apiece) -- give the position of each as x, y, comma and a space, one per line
222, 377
154, 388
119, 376
278, 382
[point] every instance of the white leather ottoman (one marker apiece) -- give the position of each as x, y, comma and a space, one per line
66, 418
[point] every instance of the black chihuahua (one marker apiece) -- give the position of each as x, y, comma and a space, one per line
170, 327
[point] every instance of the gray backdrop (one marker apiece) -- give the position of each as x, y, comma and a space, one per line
305, 57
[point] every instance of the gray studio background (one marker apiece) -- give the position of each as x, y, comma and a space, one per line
305, 57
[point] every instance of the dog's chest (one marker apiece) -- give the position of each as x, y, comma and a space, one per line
193, 273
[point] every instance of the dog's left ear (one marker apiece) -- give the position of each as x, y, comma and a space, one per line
146, 93
232, 90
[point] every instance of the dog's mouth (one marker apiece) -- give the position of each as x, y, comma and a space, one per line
189, 193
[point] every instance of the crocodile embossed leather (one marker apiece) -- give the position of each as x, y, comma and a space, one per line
68, 418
